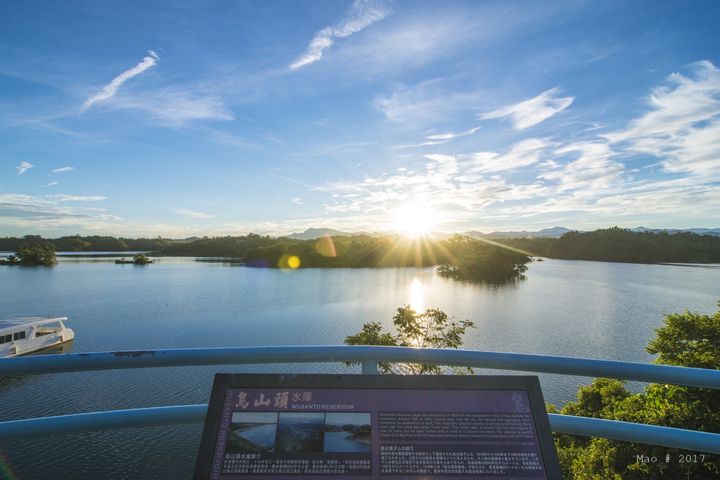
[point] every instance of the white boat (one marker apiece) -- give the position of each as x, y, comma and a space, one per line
20, 336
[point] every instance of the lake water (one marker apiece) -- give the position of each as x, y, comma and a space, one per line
263, 435
573, 308
342, 442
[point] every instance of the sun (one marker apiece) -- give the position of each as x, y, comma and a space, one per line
415, 220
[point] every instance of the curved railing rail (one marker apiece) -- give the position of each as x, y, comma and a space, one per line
369, 357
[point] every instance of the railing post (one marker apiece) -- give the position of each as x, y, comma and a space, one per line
369, 366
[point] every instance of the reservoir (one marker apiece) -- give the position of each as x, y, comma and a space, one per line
570, 308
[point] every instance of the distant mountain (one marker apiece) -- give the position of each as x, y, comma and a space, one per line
557, 232
553, 232
313, 233
715, 232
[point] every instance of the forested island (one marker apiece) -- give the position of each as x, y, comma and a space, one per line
139, 259
28, 255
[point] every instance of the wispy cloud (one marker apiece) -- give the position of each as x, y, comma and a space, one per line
452, 135
24, 167
62, 197
531, 112
62, 169
296, 200
49, 212
421, 144
360, 15
176, 107
51, 184
522, 154
111, 88
592, 170
428, 101
586, 181
185, 212
682, 126
335, 149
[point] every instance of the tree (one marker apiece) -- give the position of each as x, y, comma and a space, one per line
141, 259
491, 264
686, 339
622, 245
430, 329
36, 254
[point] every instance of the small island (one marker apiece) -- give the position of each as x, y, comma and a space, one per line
139, 259
32, 255
488, 264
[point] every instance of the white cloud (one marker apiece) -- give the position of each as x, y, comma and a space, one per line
522, 154
192, 213
449, 185
296, 200
334, 149
40, 212
531, 112
173, 107
362, 14
452, 135
429, 101
24, 167
111, 88
592, 171
61, 197
51, 184
683, 125
62, 169
421, 144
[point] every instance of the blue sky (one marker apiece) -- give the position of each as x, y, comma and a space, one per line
190, 118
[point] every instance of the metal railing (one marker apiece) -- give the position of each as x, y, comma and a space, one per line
369, 357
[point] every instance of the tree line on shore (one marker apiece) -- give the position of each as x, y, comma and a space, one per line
90, 243
460, 258
611, 245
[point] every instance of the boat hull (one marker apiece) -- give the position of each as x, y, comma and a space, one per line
38, 344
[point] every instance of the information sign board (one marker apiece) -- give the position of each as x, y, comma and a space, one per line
376, 426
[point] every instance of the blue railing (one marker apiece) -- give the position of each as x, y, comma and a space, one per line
369, 357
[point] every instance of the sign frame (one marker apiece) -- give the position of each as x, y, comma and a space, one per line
528, 383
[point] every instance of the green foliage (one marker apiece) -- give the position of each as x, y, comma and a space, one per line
489, 262
91, 243
33, 254
141, 259
622, 245
686, 339
430, 329
477, 261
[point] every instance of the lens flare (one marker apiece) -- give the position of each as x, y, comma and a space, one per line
289, 262
294, 261
325, 246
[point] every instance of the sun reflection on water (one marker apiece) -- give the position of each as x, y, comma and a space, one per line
417, 295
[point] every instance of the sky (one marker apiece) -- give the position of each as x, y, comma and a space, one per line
185, 118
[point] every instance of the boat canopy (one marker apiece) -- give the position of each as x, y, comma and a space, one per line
14, 323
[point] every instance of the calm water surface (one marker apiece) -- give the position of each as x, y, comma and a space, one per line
262, 435
574, 308
342, 442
